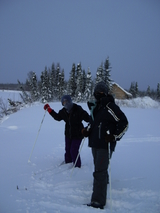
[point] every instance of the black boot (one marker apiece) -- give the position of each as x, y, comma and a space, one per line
96, 205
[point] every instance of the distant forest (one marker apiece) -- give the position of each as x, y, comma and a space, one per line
51, 85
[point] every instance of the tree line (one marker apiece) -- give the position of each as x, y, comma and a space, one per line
52, 84
154, 94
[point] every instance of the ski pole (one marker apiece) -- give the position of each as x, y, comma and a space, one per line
77, 156
37, 137
110, 187
79, 150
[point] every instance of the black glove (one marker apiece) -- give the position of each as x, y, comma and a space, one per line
85, 132
109, 138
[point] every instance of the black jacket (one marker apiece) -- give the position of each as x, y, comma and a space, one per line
106, 117
73, 120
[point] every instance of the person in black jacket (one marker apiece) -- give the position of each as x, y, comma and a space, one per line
107, 126
73, 115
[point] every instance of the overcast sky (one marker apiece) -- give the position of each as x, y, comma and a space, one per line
36, 33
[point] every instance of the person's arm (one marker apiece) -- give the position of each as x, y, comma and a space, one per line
120, 121
56, 116
84, 115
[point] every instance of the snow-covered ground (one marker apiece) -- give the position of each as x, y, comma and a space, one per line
11, 94
46, 187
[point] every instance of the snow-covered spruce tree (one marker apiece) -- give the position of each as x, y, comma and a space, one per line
52, 82
56, 80
99, 74
33, 84
106, 74
148, 92
153, 94
88, 87
45, 94
158, 92
71, 87
134, 89
50, 92
103, 74
83, 82
61, 84
79, 83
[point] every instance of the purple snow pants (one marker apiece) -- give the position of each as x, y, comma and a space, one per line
71, 151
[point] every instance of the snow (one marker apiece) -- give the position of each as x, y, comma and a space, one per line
45, 187
11, 94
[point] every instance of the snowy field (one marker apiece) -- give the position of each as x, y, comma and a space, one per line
42, 186
10, 94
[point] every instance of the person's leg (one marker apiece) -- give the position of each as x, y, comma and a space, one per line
100, 174
75, 150
67, 156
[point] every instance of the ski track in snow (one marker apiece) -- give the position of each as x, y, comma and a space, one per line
72, 192
46, 187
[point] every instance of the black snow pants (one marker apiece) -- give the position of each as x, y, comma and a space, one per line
100, 175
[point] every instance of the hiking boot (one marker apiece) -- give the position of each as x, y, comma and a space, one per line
96, 205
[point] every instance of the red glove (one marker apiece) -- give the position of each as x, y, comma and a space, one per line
48, 108
109, 138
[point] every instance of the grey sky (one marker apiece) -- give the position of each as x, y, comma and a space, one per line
36, 33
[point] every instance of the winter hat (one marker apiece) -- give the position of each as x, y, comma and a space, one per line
100, 90
67, 102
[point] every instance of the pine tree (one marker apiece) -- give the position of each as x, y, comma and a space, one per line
33, 86
72, 82
148, 91
106, 74
78, 92
83, 81
99, 74
132, 89
103, 74
56, 87
88, 88
61, 84
136, 90
44, 86
52, 81
158, 91
49, 86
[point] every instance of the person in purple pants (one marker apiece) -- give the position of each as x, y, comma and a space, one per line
73, 115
